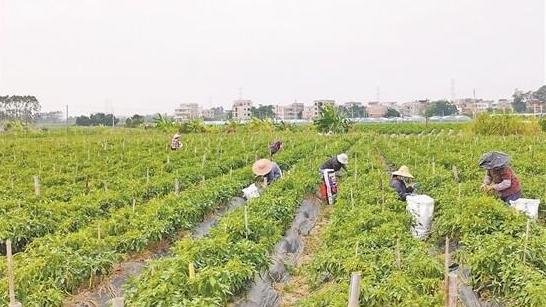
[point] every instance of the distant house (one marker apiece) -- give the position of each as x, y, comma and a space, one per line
376, 109
290, 112
242, 109
214, 114
187, 111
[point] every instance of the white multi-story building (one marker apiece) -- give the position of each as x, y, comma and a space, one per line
187, 111
290, 112
241, 109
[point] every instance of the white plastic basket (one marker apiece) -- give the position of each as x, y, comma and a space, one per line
527, 206
421, 208
251, 191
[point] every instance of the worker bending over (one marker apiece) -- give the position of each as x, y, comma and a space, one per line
336, 163
175, 142
267, 170
499, 176
402, 182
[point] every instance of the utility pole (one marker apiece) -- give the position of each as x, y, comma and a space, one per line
66, 119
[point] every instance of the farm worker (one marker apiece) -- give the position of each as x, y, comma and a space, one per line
175, 142
268, 170
402, 182
275, 147
499, 176
336, 163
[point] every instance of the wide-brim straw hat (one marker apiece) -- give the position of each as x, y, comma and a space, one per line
403, 171
262, 167
176, 136
343, 159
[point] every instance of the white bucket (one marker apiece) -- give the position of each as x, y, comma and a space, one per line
251, 191
527, 206
421, 208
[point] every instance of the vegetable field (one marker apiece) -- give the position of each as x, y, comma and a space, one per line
76, 204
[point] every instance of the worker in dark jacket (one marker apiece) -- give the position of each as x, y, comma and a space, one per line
336, 163
401, 182
499, 176
275, 147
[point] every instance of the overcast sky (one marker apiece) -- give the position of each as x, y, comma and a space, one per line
135, 56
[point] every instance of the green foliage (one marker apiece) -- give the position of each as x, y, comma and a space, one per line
542, 123
504, 125
440, 108
519, 102
19, 108
331, 120
96, 119
540, 94
262, 112
134, 121
165, 123
392, 113
194, 126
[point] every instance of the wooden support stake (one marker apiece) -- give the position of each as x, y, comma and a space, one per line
527, 228
118, 301
11, 278
356, 249
191, 270
37, 185
446, 267
246, 221
98, 232
354, 291
452, 296
176, 186
134, 204
147, 175
352, 199
398, 257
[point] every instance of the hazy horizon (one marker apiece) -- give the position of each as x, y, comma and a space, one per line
146, 57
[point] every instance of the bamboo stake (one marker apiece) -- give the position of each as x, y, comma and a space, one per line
527, 228
191, 270
452, 296
11, 279
176, 186
446, 267
147, 175
352, 199
134, 204
246, 221
354, 292
118, 301
398, 257
37, 185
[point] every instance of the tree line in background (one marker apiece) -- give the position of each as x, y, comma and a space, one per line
97, 119
524, 101
19, 108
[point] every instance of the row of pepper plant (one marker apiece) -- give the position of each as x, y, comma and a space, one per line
56, 265
369, 232
30, 221
227, 260
506, 262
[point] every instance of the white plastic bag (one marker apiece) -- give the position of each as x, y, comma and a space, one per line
421, 208
527, 206
251, 191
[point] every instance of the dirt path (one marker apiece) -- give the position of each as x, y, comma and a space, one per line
298, 287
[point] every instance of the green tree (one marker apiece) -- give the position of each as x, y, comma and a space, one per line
262, 112
134, 121
331, 120
164, 122
540, 94
440, 108
392, 113
354, 111
519, 104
